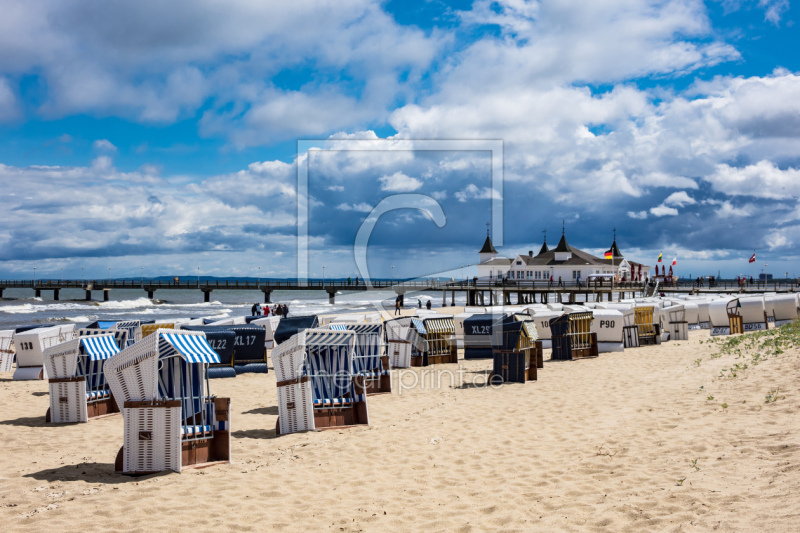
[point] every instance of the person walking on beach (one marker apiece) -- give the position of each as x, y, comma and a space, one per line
285, 310
419, 303
428, 305
255, 310
397, 306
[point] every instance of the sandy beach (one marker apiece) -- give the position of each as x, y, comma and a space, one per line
629, 441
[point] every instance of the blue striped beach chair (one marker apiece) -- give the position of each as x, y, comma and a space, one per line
369, 359
171, 420
318, 387
78, 388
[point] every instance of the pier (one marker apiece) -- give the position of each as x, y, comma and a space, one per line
485, 293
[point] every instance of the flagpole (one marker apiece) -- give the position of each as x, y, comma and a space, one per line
755, 266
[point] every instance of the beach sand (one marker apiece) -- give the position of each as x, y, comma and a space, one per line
605, 444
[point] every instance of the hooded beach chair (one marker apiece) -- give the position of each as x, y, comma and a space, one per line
317, 384
514, 351
401, 337
7, 354
221, 339
248, 352
290, 326
719, 315
120, 335
785, 307
78, 388
747, 314
270, 325
630, 331
478, 330
608, 326
171, 421
30, 346
437, 346
678, 326
369, 358
648, 322
572, 336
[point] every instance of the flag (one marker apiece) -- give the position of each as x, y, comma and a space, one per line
675, 261
659, 256
609, 254
752, 258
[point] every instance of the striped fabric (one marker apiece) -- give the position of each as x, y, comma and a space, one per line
419, 326
191, 431
329, 364
338, 327
193, 348
530, 329
439, 325
368, 347
98, 348
98, 394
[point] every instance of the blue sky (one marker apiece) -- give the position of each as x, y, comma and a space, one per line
164, 137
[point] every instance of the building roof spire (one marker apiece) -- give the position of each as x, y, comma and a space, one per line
544, 248
562, 244
488, 247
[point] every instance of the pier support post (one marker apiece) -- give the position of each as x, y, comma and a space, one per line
55, 294
1, 291
206, 295
444, 298
331, 297
267, 296
38, 293
88, 295
151, 293
106, 294
452, 298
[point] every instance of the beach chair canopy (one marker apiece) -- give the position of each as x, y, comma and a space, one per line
442, 325
368, 347
248, 342
785, 307
220, 338
120, 337
290, 326
64, 360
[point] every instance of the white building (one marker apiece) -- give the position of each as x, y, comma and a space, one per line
564, 261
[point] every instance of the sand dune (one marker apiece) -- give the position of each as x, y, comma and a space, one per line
606, 444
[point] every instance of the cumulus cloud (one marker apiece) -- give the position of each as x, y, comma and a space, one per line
763, 179
360, 207
473, 192
679, 199
104, 145
399, 182
663, 211
727, 210
638, 215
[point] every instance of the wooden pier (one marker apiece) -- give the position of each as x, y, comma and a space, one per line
507, 292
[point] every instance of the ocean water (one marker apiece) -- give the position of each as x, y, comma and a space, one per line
20, 308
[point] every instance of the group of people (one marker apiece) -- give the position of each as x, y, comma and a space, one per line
281, 310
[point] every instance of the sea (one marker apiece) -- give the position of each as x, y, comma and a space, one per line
19, 307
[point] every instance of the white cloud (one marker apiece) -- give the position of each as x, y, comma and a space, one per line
763, 179
359, 207
472, 192
104, 145
777, 239
639, 215
439, 195
335, 188
727, 210
679, 199
663, 211
8, 102
399, 182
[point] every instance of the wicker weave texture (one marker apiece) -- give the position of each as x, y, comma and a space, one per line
68, 402
152, 439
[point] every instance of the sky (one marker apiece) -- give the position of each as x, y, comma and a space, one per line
155, 138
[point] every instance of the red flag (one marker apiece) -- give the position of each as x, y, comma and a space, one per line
752, 258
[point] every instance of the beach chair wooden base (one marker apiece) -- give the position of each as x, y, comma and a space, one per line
444, 358
650, 338
94, 410
336, 417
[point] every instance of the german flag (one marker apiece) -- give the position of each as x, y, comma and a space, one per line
609, 254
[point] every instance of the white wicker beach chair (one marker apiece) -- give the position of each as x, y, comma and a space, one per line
7, 354
317, 385
369, 359
678, 326
78, 389
171, 421
401, 337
